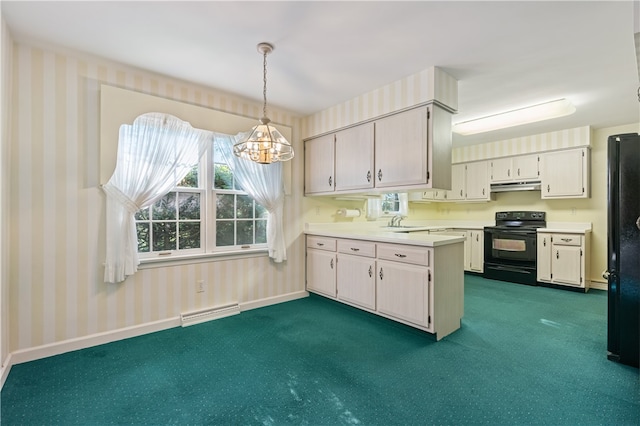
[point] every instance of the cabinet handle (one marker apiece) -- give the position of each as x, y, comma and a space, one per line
370, 271
482, 191
401, 256
477, 237
320, 244
518, 171
566, 240
461, 192
557, 254
548, 188
354, 249
638, 222
330, 180
509, 172
369, 176
331, 263
380, 273
380, 175
544, 242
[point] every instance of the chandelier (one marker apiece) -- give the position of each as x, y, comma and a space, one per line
265, 144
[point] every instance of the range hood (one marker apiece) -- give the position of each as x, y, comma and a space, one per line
516, 186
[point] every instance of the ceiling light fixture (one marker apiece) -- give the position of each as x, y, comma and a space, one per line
265, 144
517, 117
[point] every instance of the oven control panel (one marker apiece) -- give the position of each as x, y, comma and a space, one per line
523, 215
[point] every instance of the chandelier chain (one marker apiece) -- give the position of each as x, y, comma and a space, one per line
264, 81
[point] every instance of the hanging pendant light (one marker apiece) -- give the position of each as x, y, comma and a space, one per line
265, 144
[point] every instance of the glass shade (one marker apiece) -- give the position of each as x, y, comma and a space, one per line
265, 145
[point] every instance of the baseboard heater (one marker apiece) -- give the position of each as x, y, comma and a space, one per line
197, 317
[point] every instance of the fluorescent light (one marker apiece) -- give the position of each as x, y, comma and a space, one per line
544, 111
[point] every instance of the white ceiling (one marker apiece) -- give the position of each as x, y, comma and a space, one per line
505, 55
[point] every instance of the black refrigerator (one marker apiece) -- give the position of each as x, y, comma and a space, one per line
623, 243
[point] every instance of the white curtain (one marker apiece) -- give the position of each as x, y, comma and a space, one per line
263, 183
154, 155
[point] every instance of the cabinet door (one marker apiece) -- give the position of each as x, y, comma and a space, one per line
356, 277
566, 265
562, 174
403, 292
321, 272
501, 170
319, 165
354, 158
457, 182
477, 181
476, 252
526, 167
544, 257
401, 149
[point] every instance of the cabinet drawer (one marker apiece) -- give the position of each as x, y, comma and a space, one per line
322, 243
567, 239
360, 248
402, 253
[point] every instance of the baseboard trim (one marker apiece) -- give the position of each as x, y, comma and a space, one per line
246, 306
4, 370
57, 348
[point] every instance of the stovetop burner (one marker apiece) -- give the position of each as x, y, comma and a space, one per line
520, 219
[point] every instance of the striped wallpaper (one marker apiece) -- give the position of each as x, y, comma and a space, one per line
430, 84
570, 138
56, 215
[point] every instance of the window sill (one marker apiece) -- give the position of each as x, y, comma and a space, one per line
164, 261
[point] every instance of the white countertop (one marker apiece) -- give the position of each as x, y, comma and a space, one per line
567, 227
378, 233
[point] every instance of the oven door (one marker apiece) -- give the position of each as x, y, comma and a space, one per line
510, 245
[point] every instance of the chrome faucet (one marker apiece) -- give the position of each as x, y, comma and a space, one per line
395, 221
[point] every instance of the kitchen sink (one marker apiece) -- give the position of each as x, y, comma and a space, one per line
405, 228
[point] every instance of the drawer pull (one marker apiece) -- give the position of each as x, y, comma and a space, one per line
380, 273
369, 176
354, 249
320, 244
401, 256
557, 254
370, 271
331, 263
566, 240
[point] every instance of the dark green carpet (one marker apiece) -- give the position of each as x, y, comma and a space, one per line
525, 355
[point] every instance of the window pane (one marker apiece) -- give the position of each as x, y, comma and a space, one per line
143, 237
223, 177
261, 211
244, 232
191, 179
142, 214
164, 236
244, 208
224, 233
189, 205
189, 235
224, 206
261, 231
165, 207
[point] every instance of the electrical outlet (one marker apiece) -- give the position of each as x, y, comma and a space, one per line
200, 286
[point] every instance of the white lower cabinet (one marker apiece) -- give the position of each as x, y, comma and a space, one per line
419, 286
562, 259
356, 273
321, 265
403, 292
475, 239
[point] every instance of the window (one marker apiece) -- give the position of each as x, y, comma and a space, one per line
180, 222
240, 221
394, 203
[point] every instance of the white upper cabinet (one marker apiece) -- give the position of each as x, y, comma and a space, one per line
354, 158
514, 169
401, 149
477, 181
407, 150
526, 167
458, 178
319, 154
565, 174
